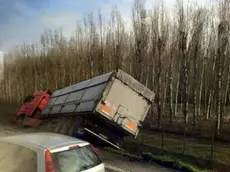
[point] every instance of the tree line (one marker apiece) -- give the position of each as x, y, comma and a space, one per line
183, 58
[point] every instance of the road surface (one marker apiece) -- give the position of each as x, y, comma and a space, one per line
113, 163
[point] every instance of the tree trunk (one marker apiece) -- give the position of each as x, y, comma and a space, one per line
170, 90
177, 89
226, 89
201, 88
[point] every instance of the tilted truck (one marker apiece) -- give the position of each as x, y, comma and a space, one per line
108, 107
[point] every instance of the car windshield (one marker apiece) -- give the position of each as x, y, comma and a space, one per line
75, 160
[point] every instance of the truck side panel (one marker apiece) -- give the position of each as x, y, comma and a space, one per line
124, 106
79, 98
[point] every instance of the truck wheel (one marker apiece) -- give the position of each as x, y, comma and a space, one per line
77, 128
20, 119
66, 126
120, 143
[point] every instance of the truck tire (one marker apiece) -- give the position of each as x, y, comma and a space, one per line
119, 143
59, 126
78, 125
19, 120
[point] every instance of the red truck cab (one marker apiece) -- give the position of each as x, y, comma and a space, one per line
29, 113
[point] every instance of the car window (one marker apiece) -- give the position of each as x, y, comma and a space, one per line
75, 160
16, 158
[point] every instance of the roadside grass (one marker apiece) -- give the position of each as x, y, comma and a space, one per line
199, 148
197, 151
173, 162
168, 161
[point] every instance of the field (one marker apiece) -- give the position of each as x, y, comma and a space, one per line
199, 148
198, 151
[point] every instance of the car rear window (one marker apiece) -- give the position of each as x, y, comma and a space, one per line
75, 160
15, 158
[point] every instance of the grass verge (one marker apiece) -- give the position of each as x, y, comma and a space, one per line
197, 151
197, 148
171, 162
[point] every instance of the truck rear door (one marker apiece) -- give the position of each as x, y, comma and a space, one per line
124, 106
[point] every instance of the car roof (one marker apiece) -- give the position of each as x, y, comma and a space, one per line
44, 139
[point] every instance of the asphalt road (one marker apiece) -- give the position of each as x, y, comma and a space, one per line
113, 163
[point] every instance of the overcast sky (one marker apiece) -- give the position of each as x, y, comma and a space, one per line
24, 20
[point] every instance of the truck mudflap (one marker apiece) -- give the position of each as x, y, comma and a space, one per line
32, 122
103, 139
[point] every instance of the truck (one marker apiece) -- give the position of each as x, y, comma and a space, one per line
108, 107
